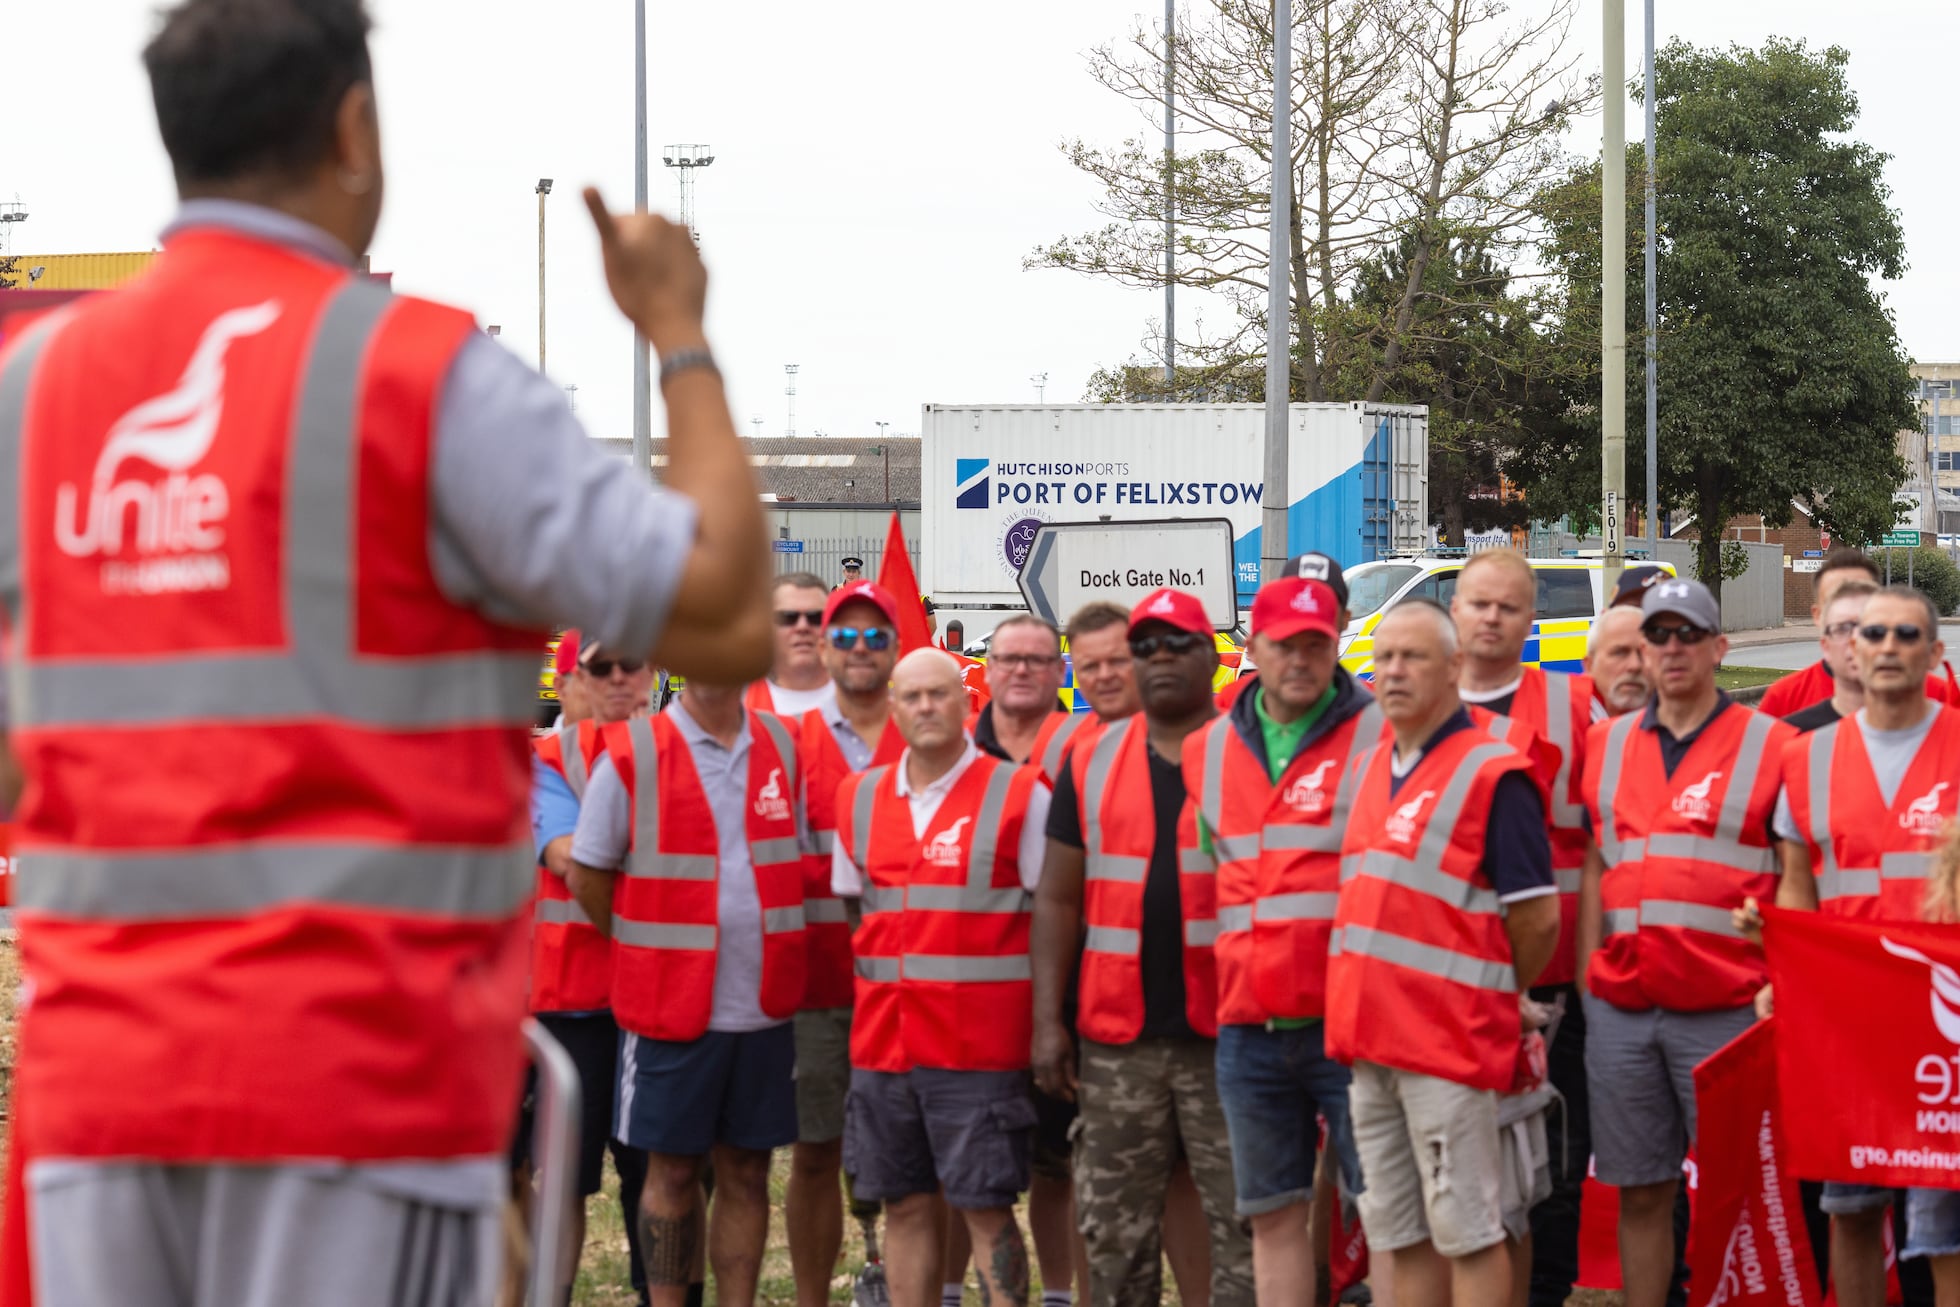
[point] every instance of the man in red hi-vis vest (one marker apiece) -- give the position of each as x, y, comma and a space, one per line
1812, 685
1679, 797
1494, 606
797, 682
689, 854
1270, 780
939, 851
571, 962
1865, 803
269, 527
1126, 904
851, 732
1447, 912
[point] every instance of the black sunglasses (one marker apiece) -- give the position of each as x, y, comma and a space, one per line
1908, 633
786, 617
1176, 643
603, 667
1658, 635
876, 638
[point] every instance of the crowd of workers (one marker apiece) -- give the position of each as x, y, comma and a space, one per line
1203, 975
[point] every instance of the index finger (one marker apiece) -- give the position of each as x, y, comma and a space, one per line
601, 216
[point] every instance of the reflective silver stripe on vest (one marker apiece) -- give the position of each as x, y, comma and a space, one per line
1112, 939
773, 852
782, 921
573, 758
1445, 964
966, 898
644, 857
1200, 932
1847, 883
1297, 907
1422, 871
876, 969
785, 747
663, 935
981, 850
1905, 866
1567, 879
861, 804
1822, 743
561, 912
965, 970
1211, 788
1234, 917
320, 673
1051, 757
825, 912
1566, 815
13, 419
1235, 848
823, 842
782, 848
1098, 865
1498, 727
1288, 838
223, 881
1608, 835
1196, 862
878, 898
1688, 916
1622, 921
1749, 759
1712, 849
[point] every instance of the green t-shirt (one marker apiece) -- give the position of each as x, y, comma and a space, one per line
1282, 742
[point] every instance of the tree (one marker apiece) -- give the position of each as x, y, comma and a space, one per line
1781, 377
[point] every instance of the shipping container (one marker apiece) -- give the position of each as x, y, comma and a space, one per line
80, 271
1358, 482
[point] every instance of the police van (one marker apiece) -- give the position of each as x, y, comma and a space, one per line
1570, 595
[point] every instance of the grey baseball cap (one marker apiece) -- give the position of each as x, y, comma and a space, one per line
1683, 598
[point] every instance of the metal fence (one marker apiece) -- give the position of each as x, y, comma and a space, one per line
825, 556
1750, 602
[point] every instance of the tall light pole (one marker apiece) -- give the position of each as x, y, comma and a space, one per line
1653, 319
1040, 380
1272, 515
1613, 294
642, 378
790, 370
1170, 198
544, 189
685, 159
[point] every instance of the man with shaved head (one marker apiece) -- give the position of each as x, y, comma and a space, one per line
941, 851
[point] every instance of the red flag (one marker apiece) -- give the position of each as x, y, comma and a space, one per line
1869, 1045
1749, 1247
896, 575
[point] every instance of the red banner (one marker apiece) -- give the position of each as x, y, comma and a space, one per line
1868, 1017
1748, 1246
896, 575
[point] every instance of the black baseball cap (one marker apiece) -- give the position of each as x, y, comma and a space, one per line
1634, 584
1319, 567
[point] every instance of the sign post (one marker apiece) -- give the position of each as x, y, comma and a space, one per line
1073, 563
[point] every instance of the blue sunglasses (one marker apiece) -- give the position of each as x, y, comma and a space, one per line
876, 638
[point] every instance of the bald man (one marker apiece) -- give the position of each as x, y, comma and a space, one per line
940, 852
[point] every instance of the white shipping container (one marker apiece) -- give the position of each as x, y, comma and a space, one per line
1358, 484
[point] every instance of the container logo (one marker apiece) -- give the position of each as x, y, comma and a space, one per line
973, 485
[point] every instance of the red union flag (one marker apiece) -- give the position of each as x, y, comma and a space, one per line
1868, 1047
1749, 1248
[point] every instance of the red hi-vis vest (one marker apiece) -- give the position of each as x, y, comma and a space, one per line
1871, 857
571, 962
273, 848
1060, 736
1119, 830
1557, 708
1418, 933
829, 983
1278, 845
1680, 854
943, 977
666, 925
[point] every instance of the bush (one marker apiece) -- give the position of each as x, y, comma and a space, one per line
1932, 572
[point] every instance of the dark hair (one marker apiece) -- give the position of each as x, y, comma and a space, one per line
799, 581
252, 87
1097, 615
1847, 560
1913, 595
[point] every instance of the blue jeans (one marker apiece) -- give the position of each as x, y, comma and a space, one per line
1271, 1084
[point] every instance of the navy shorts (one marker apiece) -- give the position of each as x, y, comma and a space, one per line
1270, 1083
913, 1132
683, 1098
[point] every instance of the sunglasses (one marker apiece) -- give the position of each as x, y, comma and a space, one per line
789, 617
1908, 633
1658, 635
1175, 643
603, 667
876, 638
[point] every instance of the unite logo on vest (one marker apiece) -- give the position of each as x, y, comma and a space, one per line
1923, 816
176, 529
943, 849
1693, 803
770, 805
1307, 795
1401, 824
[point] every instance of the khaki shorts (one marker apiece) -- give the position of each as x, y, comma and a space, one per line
1432, 1161
1527, 1179
823, 1073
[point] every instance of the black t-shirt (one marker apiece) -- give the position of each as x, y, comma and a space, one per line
1163, 907
1814, 718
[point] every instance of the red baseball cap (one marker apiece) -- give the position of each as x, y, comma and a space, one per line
1292, 604
1184, 611
869, 591
565, 660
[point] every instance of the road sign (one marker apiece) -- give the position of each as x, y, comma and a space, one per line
1806, 564
1813, 553
1072, 563
786, 546
1900, 540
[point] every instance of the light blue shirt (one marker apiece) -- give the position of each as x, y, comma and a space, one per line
554, 808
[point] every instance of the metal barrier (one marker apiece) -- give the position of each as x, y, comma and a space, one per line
554, 1150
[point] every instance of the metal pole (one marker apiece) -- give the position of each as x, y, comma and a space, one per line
1653, 315
1272, 516
642, 379
1170, 199
1933, 457
541, 195
1613, 293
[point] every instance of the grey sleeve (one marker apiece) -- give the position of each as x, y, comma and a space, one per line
604, 820
533, 522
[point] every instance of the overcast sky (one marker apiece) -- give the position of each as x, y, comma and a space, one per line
881, 169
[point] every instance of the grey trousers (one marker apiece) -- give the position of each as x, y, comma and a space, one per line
138, 1234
